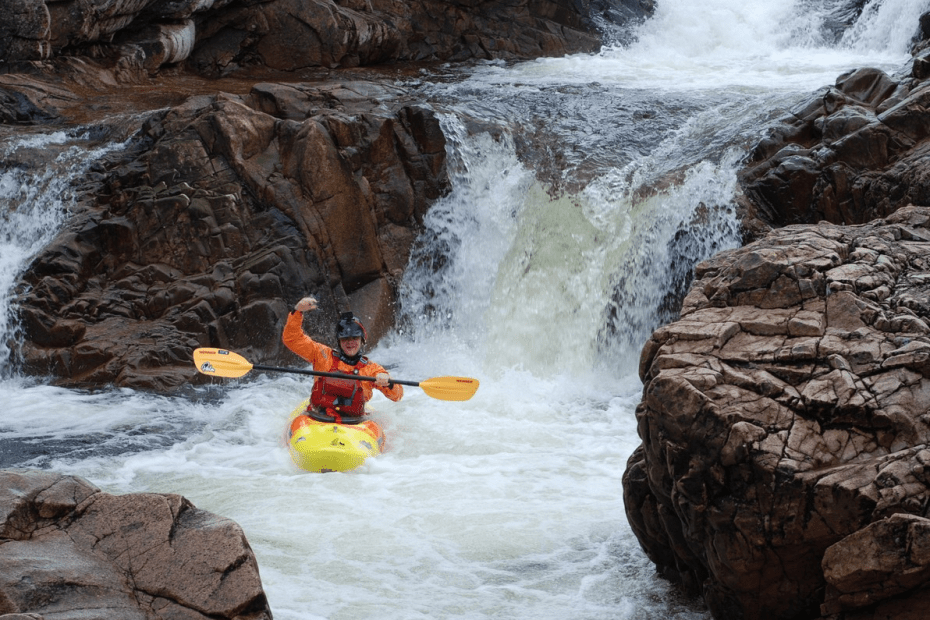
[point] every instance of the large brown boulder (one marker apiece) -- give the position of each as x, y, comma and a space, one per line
784, 425
223, 212
72, 552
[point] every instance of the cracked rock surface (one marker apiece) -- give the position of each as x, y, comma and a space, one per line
784, 424
70, 551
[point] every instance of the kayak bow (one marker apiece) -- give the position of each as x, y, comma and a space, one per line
320, 446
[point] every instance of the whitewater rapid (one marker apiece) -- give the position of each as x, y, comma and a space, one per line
556, 269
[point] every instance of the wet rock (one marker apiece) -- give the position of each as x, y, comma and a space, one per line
24, 30
292, 35
784, 426
164, 44
228, 210
877, 564
70, 551
850, 154
219, 36
17, 109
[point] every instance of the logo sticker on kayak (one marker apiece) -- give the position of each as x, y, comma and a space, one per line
207, 367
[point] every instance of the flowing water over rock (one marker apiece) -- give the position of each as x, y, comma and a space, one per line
573, 224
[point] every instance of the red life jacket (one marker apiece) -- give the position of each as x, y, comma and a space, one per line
339, 397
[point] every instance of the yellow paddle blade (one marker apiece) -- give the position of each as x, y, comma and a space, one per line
220, 363
450, 388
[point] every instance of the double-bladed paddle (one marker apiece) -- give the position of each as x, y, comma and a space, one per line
223, 363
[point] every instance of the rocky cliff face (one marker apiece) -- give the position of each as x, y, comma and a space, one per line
785, 415
217, 37
785, 422
229, 209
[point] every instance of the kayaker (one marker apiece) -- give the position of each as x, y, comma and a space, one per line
340, 400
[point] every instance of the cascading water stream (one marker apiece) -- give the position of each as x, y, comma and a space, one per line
35, 194
568, 236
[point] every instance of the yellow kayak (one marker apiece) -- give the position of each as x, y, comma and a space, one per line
321, 446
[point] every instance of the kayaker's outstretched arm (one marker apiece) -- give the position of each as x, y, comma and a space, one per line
297, 341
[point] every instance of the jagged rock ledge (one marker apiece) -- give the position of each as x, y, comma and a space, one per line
70, 551
785, 471
850, 153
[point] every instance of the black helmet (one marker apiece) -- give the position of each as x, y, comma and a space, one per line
350, 327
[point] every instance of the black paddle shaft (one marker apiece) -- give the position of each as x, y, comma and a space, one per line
335, 375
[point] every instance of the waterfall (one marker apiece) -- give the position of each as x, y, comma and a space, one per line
38, 173
886, 27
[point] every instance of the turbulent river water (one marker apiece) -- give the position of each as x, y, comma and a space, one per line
541, 274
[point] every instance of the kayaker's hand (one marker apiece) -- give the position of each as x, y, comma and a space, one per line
306, 304
382, 379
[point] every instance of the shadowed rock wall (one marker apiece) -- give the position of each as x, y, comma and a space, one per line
220, 36
229, 210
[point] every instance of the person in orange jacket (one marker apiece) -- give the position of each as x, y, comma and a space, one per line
338, 399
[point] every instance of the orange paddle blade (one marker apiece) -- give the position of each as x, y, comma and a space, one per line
450, 388
220, 363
